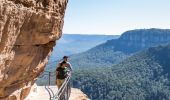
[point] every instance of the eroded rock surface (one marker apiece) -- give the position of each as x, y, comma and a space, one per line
28, 30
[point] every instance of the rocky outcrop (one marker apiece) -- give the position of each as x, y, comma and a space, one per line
139, 39
28, 31
145, 38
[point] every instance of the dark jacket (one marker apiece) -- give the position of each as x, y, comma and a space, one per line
62, 73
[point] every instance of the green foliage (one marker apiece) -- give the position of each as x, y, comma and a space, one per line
143, 76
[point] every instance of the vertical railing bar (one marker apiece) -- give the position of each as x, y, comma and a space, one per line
48, 92
49, 79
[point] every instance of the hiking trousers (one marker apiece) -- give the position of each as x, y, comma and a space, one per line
59, 82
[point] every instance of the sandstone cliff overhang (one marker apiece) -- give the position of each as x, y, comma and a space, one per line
28, 31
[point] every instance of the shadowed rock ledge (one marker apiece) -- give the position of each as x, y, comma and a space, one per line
28, 31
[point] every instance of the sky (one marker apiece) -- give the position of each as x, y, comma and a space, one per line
113, 17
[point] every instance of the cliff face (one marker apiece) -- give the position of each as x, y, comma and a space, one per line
28, 30
136, 40
144, 38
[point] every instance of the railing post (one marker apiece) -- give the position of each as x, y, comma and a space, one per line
67, 91
49, 79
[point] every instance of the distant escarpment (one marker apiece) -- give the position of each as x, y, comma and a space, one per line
116, 50
28, 31
136, 40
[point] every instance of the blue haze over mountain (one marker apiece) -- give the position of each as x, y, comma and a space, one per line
91, 65
75, 43
116, 50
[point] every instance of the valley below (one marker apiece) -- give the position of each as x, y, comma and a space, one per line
133, 66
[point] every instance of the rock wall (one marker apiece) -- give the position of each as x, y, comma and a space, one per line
28, 31
140, 39
144, 38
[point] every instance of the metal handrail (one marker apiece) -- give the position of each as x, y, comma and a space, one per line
62, 89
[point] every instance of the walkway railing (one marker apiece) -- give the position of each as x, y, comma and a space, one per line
63, 93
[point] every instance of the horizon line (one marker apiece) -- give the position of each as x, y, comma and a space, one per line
89, 34
85, 33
